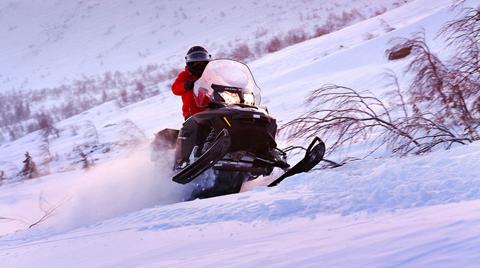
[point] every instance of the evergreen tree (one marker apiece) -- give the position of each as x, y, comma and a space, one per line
29, 170
84, 159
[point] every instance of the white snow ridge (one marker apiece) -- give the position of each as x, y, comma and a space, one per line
124, 211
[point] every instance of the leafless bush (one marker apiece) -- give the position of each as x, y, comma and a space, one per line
447, 89
16, 118
241, 52
464, 35
48, 210
273, 45
295, 37
323, 29
354, 116
440, 106
46, 125
21, 113
335, 22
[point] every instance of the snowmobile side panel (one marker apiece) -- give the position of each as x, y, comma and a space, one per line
313, 156
216, 152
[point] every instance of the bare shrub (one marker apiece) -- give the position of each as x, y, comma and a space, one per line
241, 52
46, 124
335, 22
48, 210
84, 93
464, 35
440, 106
323, 29
17, 118
273, 45
295, 37
442, 88
350, 116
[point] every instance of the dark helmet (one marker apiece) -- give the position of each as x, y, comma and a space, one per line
197, 59
197, 53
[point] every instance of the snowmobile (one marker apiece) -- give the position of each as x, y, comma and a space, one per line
236, 141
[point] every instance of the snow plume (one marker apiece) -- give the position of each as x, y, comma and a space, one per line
116, 188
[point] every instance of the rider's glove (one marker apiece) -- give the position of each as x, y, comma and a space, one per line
188, 85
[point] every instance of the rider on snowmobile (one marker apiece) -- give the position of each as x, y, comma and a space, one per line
196, 59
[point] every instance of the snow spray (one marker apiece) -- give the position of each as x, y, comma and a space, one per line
119, 187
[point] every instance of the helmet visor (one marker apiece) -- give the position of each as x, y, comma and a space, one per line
198, 56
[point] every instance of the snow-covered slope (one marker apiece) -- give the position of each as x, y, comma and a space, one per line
419, 211
285, 78
413, 212
100, 51
47, 42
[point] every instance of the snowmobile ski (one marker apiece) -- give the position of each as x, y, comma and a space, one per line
313, 156
216, 152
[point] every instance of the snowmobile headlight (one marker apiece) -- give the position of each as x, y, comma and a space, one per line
249, 99
230, 97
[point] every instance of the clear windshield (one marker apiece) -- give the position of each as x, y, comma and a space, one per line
226, 81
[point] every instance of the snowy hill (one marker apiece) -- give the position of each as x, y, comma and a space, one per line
101, 51
416, 211
60, 40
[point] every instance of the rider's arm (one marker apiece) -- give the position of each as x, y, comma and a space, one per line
178, 87
183, 83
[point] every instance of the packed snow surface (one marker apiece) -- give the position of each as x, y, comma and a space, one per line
415, 211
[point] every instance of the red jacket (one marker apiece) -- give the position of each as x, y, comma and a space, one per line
178, 88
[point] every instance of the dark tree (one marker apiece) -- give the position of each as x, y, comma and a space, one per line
29, 170
86, 164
